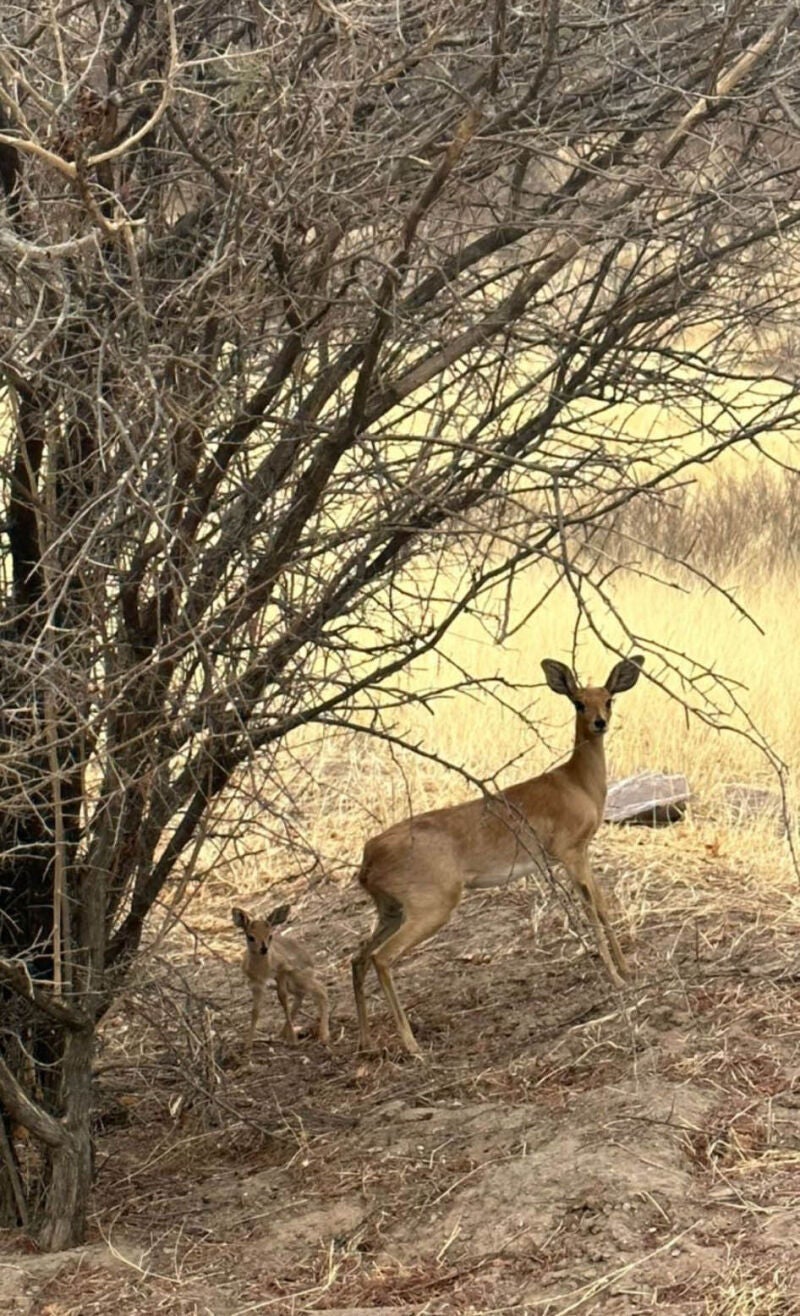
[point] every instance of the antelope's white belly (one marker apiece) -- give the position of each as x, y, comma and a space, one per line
501, 874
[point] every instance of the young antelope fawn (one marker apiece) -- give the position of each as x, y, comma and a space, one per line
279, 956
417, 870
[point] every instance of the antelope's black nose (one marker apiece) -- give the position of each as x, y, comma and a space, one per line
600, 724
263, 949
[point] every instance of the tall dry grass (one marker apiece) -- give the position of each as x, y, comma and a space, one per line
741, 515
666, 723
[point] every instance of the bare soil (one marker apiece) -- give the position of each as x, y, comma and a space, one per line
562, 1148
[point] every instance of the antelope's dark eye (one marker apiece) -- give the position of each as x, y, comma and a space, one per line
250, 937
579, 707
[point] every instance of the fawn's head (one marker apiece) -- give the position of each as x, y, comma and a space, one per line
592, 703
259, 931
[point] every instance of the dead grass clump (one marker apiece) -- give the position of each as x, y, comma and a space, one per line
740, 1290
729, 1141
743, 1292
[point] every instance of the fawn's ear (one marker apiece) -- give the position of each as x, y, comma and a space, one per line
624, 675
278, 915
240, 919
559, 678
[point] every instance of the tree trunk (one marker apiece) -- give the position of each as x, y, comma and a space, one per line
13, 1209
63, 1219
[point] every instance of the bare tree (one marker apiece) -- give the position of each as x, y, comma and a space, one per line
294, 296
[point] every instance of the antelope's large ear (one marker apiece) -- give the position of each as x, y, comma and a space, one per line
559, 678
624, 675
239, 918
278, 915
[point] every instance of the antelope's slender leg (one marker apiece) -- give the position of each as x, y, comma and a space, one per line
283, 996
577, 865
320, 996
255, 1010
416, 927
388, 921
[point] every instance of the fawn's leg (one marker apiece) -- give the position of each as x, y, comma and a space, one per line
255, 1010
288, 1033
320, 995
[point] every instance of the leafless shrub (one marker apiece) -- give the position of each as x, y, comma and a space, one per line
294, 299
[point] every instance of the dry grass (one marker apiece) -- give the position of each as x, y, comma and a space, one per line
746, 517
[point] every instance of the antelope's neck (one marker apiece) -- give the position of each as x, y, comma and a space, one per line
588, 767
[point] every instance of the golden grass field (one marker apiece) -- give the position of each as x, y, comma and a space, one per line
733, 725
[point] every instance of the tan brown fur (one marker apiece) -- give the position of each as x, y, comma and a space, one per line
278, 955
417, 870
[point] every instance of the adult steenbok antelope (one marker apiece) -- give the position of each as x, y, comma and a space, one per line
417, 870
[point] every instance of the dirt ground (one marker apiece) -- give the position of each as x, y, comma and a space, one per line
562, 1148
